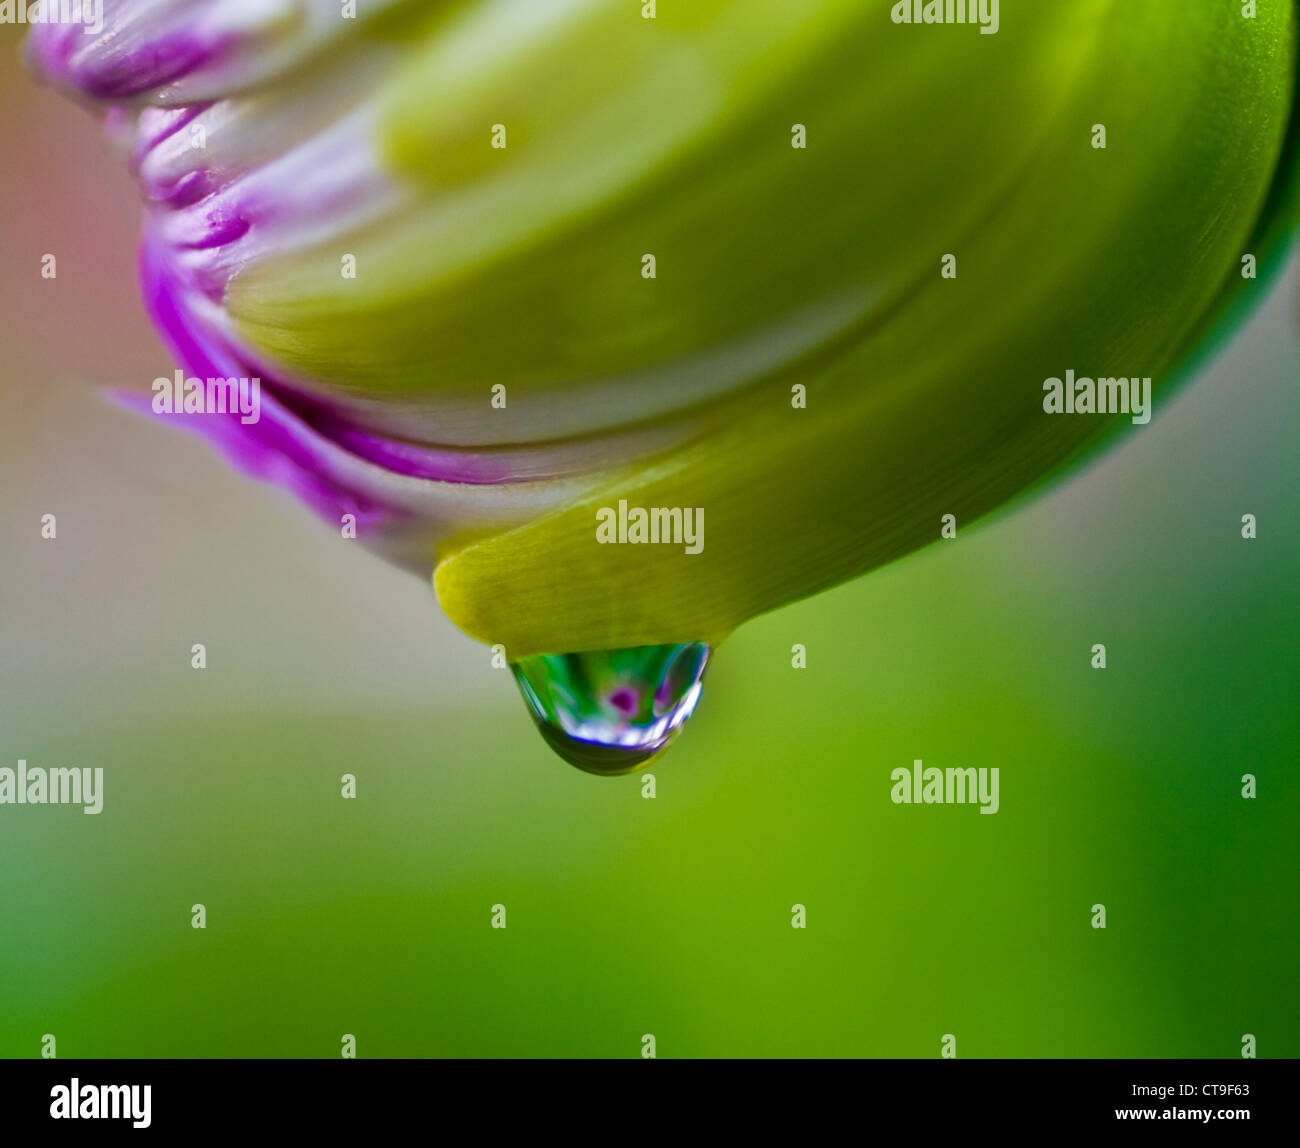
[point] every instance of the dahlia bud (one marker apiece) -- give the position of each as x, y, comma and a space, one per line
629, 325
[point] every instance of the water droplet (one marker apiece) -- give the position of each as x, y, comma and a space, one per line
608, 711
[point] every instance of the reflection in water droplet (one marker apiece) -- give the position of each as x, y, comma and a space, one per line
608, 711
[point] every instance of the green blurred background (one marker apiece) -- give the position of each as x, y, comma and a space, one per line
626, 916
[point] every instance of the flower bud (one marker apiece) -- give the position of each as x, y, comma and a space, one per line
800, 271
